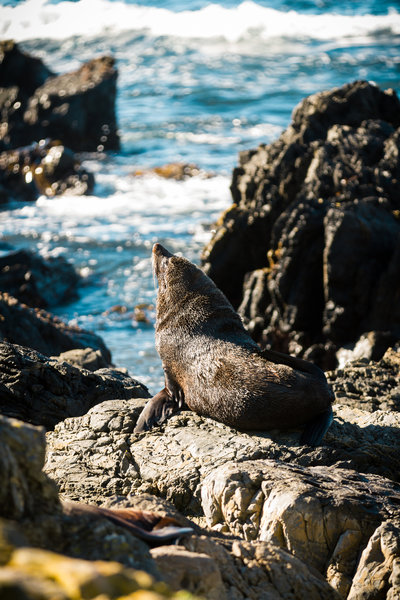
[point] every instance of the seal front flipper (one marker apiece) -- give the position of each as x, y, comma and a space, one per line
157, 410
174, 389
317, 428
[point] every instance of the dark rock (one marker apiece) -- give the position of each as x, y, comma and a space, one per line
20, 75
43, 391
37, 281
77, 107
12, 104
16, 178
43, 168
310, 249
35, 328
17, 68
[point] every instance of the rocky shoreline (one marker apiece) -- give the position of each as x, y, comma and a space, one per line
309, 252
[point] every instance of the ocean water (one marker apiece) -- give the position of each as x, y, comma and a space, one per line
198, 82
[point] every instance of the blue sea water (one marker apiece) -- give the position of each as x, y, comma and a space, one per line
198, 82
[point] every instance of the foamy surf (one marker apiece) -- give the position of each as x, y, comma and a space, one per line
134, 208
37, 19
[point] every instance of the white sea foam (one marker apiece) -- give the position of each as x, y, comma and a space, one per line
136, 206
35, 19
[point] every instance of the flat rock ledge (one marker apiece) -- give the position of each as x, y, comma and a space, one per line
323, 506
98, 455
50, 553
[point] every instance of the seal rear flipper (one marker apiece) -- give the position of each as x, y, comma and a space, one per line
157, 411
294, 362
317, 428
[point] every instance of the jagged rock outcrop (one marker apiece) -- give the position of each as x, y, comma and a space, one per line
44, 391
38, 329
32, 517
248, 571
35, 280
173, 460
77, 108
310, 247
371, 346
378, 572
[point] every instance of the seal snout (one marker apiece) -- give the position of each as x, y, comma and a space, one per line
159, 250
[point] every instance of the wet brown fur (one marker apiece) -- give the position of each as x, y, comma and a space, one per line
212, 363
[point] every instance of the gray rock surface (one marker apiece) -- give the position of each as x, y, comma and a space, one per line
247, 571
85, 358
203, 564
378, 572
97, 455
262, 486
259, 501
323, 515
30, 498
44, 391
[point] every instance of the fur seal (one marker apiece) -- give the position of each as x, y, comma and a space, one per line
154, 529
213, 366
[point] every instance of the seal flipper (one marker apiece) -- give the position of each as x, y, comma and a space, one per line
294, 362
157, 410
317, 428
154, 529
